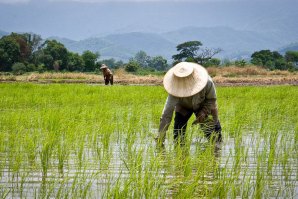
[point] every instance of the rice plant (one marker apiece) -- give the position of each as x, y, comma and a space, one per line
92, 141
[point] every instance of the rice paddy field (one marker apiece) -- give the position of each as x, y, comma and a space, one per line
93, 141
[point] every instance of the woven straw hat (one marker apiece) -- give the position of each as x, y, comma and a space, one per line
185, 79
103, 66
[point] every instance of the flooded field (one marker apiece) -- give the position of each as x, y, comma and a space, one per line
89, 141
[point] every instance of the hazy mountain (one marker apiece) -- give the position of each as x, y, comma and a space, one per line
234, 43
290, 47
152, 44
122, 46
3, 33
65, 41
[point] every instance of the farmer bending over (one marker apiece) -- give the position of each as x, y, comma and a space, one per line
107, 74
191, 90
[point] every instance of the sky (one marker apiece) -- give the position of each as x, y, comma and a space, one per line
101, 1
80, 19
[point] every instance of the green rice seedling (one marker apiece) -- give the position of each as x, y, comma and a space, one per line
62, 153
90, 141
4, 192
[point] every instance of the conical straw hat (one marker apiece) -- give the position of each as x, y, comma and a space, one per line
103, 66
185, 79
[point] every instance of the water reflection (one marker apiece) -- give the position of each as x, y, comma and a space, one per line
236, 168
189, 168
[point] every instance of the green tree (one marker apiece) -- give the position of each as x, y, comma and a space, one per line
240, 62
132, 66
25, 48
212, 62
271, 60
28, 43
41, 68
48, 61
17, 48
75, 62
142, 58
158, 63
9, 53
191, 51
18, 68
206, 54
292, 58
54, 54
186, 50
111, 63
226, 62
119, 64
31, 67
57, 64
34, 41
281, 64
261, 57
90, 60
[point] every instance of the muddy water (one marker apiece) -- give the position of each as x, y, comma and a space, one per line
246, 162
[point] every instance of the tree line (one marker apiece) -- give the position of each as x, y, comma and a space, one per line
192, 51
27, 52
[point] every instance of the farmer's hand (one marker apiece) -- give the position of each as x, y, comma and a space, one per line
217, 127
200, 118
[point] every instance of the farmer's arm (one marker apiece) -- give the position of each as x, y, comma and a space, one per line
167, 115
105, 73
209, 105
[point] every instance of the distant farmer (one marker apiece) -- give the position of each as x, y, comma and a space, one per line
107, 74
190, 90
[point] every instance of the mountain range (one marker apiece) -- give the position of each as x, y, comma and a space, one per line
290, 47
235, 44
121, 28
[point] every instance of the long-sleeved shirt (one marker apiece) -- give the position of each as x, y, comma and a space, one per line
107, 73
202, 102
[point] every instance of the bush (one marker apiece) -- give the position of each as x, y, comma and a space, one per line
41, 68
227, 62
97, 71
132, 66
212, 62
30, 67
18, 68
149, 71
240, 63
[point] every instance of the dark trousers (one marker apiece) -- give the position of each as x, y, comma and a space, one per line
211, 131
109, 80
